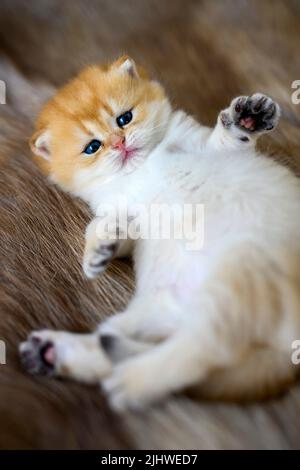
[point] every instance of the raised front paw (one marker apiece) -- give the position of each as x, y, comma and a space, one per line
256, 113
96, 258
38, 355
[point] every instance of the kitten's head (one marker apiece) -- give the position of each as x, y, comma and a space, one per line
104, 122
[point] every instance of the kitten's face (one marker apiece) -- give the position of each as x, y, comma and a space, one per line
106, 121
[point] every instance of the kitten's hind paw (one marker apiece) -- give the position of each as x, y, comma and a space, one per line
127, 388
63, 354
38, 354
256, 113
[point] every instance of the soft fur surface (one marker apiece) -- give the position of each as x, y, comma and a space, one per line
205, 53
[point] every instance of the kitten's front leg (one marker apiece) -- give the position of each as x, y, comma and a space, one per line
101, 247
247, 118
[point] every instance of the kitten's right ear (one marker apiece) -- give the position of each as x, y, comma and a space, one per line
40, 143
126, 65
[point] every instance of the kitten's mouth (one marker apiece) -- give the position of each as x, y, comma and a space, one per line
128, 154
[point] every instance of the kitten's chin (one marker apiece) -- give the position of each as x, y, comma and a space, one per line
136, 158
132, 164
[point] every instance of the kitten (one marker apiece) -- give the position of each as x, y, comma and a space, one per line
223, 316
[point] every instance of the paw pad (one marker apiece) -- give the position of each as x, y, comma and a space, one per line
38, 356
256, 113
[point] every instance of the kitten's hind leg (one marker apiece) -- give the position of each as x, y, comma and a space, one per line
62, 354
181, 360
244, 121
148, 320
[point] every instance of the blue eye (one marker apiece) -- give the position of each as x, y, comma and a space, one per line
124, 119
92, 147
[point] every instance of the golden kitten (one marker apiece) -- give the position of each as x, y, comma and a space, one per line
224, 315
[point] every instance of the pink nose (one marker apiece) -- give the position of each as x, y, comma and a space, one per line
119, 143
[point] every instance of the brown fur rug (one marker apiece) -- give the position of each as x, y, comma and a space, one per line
206, 52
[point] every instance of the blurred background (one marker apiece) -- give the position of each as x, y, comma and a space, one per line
205, 53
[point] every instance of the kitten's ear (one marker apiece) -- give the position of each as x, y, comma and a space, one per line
40, 143
126, 65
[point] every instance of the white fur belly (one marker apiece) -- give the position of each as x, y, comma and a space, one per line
162, 265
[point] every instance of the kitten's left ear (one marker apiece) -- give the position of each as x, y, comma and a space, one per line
126, 65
